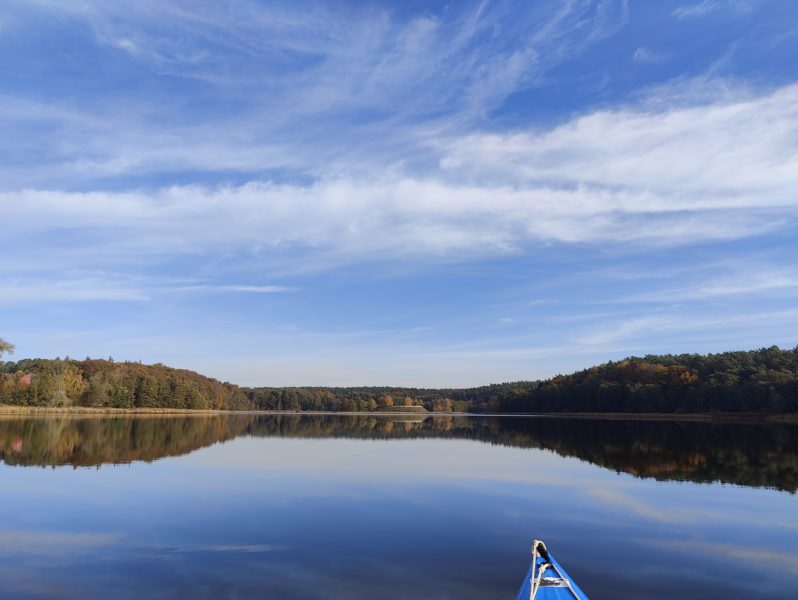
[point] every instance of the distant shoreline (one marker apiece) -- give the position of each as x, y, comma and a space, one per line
747, 385
6, 409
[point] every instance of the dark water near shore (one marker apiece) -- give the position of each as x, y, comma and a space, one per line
378, 507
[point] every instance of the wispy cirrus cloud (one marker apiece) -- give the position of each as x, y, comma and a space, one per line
745, 283
697, 9
644, 55
706, 7
370, 82
707, 154
247, 289
112, 288
632, 176
658, 325
34, 290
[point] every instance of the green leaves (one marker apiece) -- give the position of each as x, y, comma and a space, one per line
5, 347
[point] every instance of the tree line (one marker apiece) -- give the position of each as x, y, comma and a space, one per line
764, 380
110, 384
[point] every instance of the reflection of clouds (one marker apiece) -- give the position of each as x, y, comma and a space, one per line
745, 553
646, 510
377, 460
690, 511
52, 542
231, 548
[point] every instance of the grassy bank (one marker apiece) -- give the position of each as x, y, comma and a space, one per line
717, 417
85, 410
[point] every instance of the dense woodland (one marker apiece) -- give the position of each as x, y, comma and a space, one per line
764, 380
110, 384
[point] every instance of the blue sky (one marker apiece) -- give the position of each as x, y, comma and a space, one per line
409, 193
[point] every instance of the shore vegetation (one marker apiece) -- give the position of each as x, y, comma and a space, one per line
758, 381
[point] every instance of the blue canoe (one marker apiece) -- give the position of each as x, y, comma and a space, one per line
546, 579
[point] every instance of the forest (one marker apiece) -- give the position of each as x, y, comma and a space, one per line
110, 384
764, 380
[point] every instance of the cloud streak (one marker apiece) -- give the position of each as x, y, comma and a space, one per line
349, 168
680, 176
362, 80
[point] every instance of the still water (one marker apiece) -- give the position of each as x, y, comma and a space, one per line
283, 507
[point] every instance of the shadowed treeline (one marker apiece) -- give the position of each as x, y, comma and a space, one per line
750, 454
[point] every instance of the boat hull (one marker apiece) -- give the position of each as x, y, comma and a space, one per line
550, 592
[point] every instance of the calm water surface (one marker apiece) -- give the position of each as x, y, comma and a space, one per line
283, 507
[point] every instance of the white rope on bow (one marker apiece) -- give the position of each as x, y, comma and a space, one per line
534, 582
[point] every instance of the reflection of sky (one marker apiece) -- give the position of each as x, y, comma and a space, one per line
340, 518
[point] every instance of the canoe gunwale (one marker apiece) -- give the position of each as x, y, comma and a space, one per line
537, 585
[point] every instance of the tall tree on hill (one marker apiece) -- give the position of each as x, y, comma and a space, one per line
5, 347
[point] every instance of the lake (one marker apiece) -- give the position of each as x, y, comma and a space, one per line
285, 506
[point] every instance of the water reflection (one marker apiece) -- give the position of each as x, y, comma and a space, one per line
288, 507
749, 454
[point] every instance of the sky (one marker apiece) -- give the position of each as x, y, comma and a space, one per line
397, 193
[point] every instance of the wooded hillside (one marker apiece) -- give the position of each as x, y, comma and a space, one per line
764, 380
105, 383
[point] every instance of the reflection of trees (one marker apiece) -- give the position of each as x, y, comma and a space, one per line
759, 455
93, 441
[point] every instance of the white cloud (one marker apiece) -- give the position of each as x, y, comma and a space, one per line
705, 7
655, 326
644, 55
734, 153
327, 57
338, 221
32, 290
362, 80
696, 10
633, 176
251, 289
601, 178
750, 281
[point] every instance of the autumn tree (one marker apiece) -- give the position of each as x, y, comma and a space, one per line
5, 347
442, 405
63, 384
